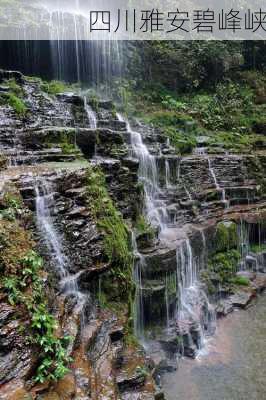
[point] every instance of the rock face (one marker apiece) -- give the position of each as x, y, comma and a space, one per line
16, 355
55, 144
49, 133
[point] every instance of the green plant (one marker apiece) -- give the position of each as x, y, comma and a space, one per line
257, 248
14, 87
17, 104
11, 285
8, 213
53, 356
240, 281
116, 241
142, 370
143, 227
224, 265
54, 87
12, 201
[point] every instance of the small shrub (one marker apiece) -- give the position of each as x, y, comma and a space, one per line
26, 289
54, 87
14, 87
240, 281
17, 104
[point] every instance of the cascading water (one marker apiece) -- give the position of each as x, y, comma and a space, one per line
167, 175
155, 208
90, 114
193, 305
53, 242
218, 187
137, 276
192, 299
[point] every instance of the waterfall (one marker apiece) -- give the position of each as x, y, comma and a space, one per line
53, 242
156, 211
138, 304
213, 175
167, 175
218, 187
194, 308
90, 114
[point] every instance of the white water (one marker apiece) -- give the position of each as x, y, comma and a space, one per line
218, 187
200, 151
139, 303
189, 291
167, 175
213, 175
155, 207
53, 241
90, 114
192, 298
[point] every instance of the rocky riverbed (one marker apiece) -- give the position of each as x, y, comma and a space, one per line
232, 365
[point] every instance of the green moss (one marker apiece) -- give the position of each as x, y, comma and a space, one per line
14, 97
240, 281
258, 248
17, 104
143, 227
64, 138
54, 87
110, 222
14, 87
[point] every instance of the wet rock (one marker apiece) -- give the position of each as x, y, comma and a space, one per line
50, 396
16, 355
242, 299
167, 365
169, 341
132, 381
117, 333
66, 387
246, 274
11, 75
224, 308
13, 390
251, 262
259, 283
159, 396
71, 98
78, 212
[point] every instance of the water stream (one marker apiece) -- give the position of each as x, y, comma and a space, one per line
90, 114
192, 298
234, 367
218, 187
53, 242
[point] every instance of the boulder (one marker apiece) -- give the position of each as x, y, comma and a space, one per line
66, 387
242, 299
11, 75
223, 308
132, 381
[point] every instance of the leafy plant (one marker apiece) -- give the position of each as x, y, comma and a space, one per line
17, 104
240, 281
54, 87
53, 356
10, 284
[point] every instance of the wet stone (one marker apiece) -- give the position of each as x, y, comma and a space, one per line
242, 299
